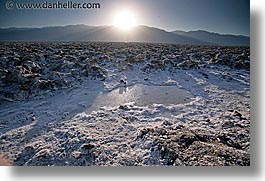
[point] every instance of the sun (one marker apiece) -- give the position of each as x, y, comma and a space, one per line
124, 20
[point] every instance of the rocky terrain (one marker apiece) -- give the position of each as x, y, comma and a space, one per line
47, 89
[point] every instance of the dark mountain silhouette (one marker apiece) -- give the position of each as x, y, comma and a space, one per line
216, 38
113, 34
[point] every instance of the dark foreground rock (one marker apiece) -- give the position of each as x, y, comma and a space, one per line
196, 147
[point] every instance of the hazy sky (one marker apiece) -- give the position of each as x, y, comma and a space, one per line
222, 16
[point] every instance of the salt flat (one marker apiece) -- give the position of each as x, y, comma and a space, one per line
124, 104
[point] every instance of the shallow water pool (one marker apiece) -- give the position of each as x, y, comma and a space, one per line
142, 95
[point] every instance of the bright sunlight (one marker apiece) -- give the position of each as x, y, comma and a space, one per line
124, 20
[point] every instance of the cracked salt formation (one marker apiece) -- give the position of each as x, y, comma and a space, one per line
47, 116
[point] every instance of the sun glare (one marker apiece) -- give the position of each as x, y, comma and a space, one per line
124, 20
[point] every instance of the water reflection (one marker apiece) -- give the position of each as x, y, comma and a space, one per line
141, 95
122, 90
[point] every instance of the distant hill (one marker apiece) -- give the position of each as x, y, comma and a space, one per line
110, 33
216, 38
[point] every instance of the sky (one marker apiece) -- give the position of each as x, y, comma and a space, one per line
220, 16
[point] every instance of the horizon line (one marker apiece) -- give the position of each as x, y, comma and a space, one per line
170, 31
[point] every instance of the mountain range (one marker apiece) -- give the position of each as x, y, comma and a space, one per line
113, 34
